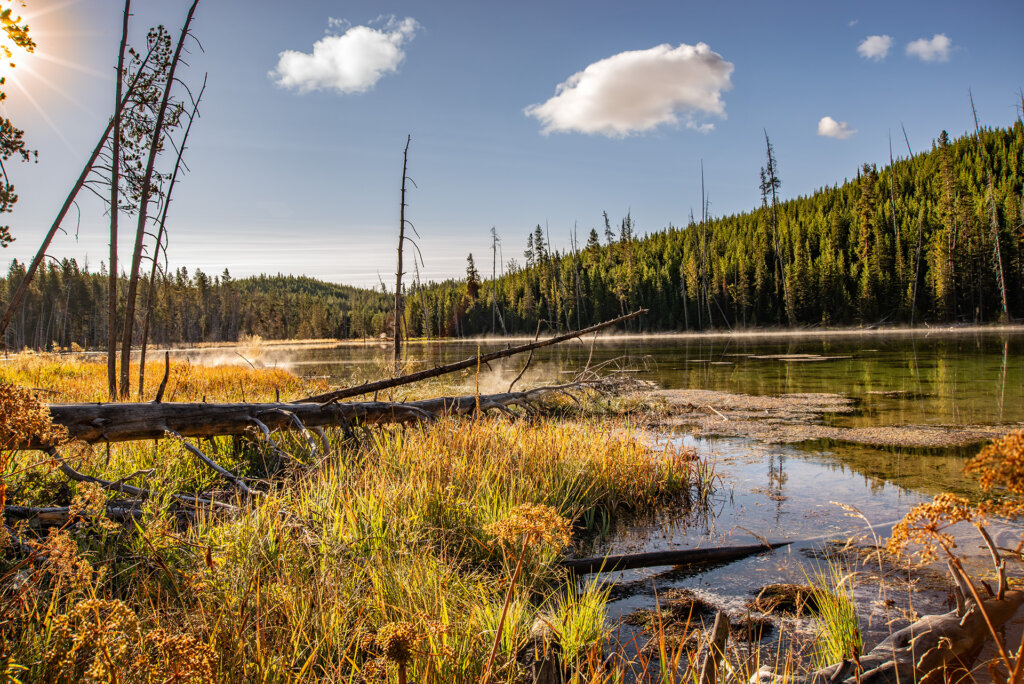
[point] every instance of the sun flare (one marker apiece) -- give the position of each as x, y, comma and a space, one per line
16, 44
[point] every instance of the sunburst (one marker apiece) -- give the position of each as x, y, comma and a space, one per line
23, 73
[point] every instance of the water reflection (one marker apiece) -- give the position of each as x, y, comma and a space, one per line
942, 377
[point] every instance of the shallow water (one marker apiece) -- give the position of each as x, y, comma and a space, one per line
771, 491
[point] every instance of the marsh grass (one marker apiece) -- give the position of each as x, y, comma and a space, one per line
839, 634
297, 584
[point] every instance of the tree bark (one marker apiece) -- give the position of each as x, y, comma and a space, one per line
115, 187
398, 273
721, 554
159, 240
125, 422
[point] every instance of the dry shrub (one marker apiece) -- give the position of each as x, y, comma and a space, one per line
23, 419
1000, 466
102, 640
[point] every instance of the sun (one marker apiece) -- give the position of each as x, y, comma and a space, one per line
16, 44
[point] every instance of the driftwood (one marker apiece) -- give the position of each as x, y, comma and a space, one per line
930, 646
719, 554
473, 362
124, 422
936, 648
715, 651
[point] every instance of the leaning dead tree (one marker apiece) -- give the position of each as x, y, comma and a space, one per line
19, 293
370, 387
399, 305
162, 232
145, 193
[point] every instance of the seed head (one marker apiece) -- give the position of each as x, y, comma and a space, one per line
396, 641
531, 525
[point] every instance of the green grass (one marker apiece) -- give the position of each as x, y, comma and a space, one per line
839, 634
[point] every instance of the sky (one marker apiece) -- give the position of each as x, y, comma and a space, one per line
521, 113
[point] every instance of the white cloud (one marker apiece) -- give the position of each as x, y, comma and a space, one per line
936, 49
875, 47
639, 90
830, 128
350, 63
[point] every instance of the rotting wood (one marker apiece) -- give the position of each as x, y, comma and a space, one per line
125, 422
371, 387
58, 516
718, 554
715, 650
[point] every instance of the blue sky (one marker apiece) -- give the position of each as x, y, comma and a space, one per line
295, 165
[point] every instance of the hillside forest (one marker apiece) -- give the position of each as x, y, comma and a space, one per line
936, 237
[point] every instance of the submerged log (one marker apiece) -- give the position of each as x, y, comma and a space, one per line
718, 554
124, 422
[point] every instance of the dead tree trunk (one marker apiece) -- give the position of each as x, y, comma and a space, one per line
895, 229
993, 215
920, 231
159, 240
127, 422
723, 554
140, 231
398, 273
115, 188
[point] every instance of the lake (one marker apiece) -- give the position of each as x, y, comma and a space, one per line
772, 491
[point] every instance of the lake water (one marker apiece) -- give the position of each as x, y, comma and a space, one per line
770, 491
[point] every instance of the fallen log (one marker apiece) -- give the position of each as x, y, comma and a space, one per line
124, 422
472, 362
59, 516
719, 554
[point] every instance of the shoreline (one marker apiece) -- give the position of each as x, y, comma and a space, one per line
750, 333
745, 334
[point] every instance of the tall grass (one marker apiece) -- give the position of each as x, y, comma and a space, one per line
839, 633
312, 580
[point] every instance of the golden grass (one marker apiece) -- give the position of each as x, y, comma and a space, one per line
396, 535
68, 379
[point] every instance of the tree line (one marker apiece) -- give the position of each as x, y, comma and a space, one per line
65, 307
909, 243
935, 237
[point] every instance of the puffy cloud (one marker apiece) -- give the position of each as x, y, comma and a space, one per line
639, 90
936, 49
350, 63
830, 128
875, 47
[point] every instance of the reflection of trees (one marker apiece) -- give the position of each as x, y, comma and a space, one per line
777, 478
